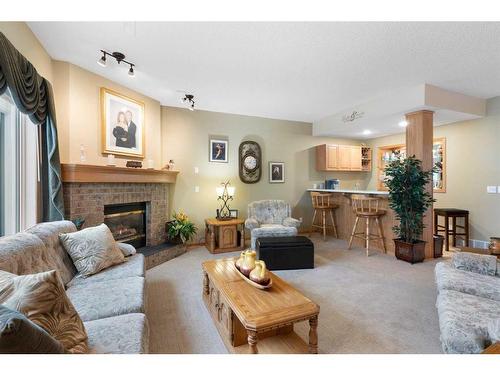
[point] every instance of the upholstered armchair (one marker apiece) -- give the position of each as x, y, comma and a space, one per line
270, 218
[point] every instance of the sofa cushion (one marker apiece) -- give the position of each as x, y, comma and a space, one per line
479, 263
494, 330
114, 297
133, 266
23, 254
42, 299
49, 234
92, 249
463, 321
122, 334
450, 278
19, 335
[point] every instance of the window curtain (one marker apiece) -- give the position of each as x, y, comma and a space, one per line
33, 96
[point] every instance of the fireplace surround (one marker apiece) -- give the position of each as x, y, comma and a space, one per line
87, 200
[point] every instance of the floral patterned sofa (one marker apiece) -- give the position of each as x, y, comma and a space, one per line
468, 302
270, 218
111, 303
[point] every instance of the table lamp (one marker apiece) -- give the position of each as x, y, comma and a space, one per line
225, 193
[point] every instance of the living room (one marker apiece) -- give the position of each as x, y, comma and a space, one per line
249, 187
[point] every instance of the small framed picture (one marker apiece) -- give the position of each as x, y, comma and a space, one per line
233, 214
218, 152
276, 172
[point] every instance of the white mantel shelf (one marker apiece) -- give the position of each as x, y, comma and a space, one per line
108, 174
348, 191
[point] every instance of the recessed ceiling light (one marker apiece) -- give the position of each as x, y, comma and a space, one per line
367, 132
403, 123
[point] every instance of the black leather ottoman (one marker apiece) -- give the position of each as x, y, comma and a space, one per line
286, 253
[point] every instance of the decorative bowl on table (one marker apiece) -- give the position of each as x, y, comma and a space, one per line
253, 271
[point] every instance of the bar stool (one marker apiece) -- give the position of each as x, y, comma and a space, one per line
366, 207
454, 213
323, 203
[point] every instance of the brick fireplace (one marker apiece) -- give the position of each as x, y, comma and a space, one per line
88, 190
88, 200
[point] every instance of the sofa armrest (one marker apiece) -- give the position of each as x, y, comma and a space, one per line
126, 249
291, 222
478, 263
251, 223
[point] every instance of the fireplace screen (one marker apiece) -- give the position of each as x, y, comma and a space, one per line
127, 222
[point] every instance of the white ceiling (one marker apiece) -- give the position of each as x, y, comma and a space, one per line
294, 71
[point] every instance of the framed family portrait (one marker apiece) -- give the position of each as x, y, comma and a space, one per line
276, 172
218, 152
122, 125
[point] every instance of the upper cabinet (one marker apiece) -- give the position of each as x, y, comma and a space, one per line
388, 153
343, 158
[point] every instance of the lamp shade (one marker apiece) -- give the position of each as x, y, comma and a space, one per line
220, 191
230, 191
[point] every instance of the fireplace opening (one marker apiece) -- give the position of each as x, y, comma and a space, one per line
127, 222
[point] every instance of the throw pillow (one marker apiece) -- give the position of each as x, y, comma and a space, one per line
127, 249
92, 249
42, 299
478, 263
19, 335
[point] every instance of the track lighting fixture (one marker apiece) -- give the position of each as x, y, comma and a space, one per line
188, 100
119, 57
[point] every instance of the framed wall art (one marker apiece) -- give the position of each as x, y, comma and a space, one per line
276, 172
122, 125
218, 150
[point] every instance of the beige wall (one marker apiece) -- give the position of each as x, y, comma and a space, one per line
185, 136
473, 162
79, 121
20, 35
76, 94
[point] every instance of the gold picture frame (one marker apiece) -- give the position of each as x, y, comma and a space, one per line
123, 130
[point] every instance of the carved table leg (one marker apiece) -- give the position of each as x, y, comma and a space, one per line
206, 290
313, 335
252, 342
242, 231
211, 238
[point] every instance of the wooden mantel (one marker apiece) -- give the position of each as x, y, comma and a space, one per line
102, 173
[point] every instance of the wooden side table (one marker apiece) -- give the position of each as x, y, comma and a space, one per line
221, 236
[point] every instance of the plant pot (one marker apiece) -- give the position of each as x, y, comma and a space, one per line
410, 252
175, 240
438, 245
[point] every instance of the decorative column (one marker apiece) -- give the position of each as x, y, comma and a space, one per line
419, 140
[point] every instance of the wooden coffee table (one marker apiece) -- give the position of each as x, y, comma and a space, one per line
247, 317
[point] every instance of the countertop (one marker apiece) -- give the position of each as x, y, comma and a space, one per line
348, 191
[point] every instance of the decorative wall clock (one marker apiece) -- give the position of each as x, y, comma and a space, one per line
250, 157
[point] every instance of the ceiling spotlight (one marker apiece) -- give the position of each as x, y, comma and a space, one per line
188, 100
367, 132
119, 57
102, 60
403, 123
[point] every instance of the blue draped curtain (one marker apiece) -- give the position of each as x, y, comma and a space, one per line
33, 96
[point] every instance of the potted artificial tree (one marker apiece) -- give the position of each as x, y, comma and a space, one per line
409, 199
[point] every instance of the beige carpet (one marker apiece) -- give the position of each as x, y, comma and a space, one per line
373, 304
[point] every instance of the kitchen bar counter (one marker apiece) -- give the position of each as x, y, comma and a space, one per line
351, 191
345, 217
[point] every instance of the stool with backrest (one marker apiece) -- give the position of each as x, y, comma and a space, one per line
323, 204
366, 207
452, 213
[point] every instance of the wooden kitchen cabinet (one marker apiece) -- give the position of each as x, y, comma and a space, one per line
339, 158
